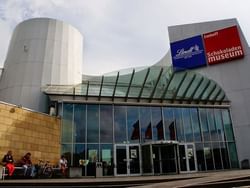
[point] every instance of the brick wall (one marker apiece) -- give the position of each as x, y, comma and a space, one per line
23, 131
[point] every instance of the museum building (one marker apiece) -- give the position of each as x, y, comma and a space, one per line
186, 113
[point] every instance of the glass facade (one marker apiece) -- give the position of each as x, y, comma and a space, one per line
99, 132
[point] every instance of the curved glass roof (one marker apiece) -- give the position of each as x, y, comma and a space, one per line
152, 84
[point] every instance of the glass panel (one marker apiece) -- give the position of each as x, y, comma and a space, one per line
204, 124
67, 152
121, 159
92, 156
137, 83
215, 93
195, 124
94, 88
221, 97
212, 126
151, 81
107, 90
157, 123
219, 124
178, 124
169, 124
81, 89
146, 127
165, 76
227, 125
146, 159
174, 84
108, 85
224, 153
67, 122
79, 153
208, 156
201, 88
184, 85
120, 124
133, 124
233, 155
122, 85
183, 159
156, 159
187, 125
200, 157
93, 123
208, 91
106, 124
80, 123
194, 87
217, 155
107, 159
134, 160
60, 110
190, 156
168, 158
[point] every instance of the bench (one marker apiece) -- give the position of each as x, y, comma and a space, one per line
3, 171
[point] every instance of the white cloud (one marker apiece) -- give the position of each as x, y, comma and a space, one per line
121, 33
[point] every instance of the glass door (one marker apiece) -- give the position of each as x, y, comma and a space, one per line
169, 159
121, 160
134, 160
127, 159
187, 157
146, 155
164, 159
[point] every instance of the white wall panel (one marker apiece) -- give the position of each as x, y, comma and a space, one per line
42, 51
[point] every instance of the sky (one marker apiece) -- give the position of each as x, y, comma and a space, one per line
120, 34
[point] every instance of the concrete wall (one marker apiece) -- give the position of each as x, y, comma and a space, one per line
232, 76
23, 131
42, 51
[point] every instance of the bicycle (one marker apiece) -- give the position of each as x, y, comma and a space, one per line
45, 170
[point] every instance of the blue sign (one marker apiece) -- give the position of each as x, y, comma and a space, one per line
188, 53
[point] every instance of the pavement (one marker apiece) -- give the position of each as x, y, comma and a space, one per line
221, 179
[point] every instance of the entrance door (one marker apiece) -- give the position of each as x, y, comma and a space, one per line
187, 157
164, 159
127, 159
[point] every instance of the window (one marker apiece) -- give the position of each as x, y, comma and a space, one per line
67, 123
133, 124
79, 123
169, 124
120, 124
93, 123
146, 125
106, 124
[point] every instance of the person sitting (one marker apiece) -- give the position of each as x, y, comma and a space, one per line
8, 161
63, 165
29, 169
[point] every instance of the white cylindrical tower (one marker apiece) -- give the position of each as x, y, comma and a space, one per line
42, 51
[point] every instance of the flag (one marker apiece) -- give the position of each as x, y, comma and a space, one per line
172, 130
148, 132
136, 131
160, 134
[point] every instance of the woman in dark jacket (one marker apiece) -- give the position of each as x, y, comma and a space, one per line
8, 161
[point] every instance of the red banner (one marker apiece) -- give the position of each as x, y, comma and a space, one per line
223, 45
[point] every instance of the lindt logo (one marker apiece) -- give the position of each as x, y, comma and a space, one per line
182, 53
